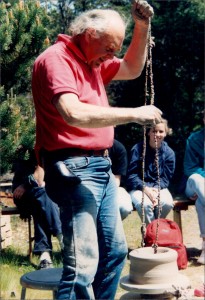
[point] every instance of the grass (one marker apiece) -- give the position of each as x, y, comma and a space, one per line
13, 265
14, 260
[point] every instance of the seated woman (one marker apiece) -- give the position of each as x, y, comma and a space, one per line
166, 161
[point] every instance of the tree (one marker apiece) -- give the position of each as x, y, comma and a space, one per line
23, 35
178, 59
17, 130
178, 66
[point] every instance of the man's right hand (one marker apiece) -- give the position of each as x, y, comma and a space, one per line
148, 115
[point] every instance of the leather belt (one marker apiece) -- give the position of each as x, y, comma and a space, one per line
63, 154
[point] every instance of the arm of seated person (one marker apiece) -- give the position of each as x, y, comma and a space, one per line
39, 176
194, 197
152, 194
19, 191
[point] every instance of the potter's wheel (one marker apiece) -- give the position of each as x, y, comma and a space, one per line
153, 289
154, 273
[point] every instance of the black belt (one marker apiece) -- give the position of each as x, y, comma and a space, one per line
63, 154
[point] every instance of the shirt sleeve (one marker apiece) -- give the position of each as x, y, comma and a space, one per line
168, 168
192, 158
134, 182
118, 156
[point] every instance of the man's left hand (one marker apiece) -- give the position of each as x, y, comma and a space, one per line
141, 10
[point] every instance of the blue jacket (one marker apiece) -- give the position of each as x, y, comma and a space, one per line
194, 154
166, 167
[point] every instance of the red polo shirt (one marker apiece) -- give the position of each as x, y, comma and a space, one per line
62, 69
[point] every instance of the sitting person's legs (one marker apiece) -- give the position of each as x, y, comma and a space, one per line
166, 203
151, 213
148, 206
125, 202
46, 223
195, 185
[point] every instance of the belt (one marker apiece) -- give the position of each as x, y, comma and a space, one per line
63, 154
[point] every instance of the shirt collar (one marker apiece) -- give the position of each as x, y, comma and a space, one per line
71, 46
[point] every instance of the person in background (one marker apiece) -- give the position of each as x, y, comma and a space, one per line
118, 156
166, 161
194, 171
75, 129
31, 199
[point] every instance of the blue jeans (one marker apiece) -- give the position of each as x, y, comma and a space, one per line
166, 203
195, 185
94, 243
46, 219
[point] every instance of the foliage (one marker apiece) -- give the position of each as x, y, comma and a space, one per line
178, 60
17, 130
23, 35
14, 262
64, 11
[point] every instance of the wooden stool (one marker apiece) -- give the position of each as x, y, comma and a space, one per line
45, 279
180, 204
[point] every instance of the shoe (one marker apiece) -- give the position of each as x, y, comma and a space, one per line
201, 259
200, 291
45, 264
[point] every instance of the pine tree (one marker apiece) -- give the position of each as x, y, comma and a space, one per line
23, 35
17, 130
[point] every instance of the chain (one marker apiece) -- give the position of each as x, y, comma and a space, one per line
155, 245
149, 75
143, 226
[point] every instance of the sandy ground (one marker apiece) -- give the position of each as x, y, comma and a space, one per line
194, 272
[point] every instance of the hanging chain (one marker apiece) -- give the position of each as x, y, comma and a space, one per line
143, 226
149, 75
155, 245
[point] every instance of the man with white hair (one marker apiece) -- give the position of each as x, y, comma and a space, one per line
75, 129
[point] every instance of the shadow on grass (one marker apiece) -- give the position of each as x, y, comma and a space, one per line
12, 257
193, 253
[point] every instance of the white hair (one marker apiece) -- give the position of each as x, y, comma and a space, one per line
98, 19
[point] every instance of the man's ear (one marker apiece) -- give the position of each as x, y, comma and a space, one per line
90, 33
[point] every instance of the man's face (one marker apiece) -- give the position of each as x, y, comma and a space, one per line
101, 48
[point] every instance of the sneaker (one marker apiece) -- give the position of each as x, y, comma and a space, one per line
200, 291
201, 259
45, 264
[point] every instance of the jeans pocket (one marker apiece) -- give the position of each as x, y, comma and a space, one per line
60, 179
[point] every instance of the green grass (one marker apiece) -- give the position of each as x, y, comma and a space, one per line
14, 262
